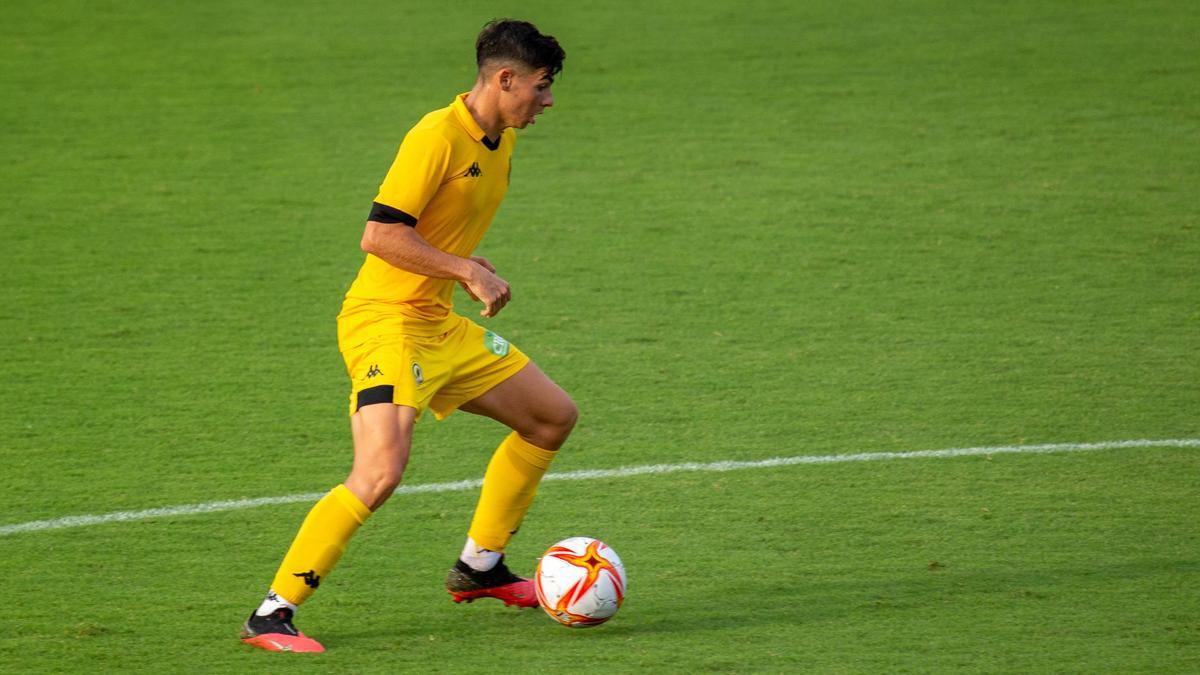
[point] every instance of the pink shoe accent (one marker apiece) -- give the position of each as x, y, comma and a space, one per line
520, 594
280, 642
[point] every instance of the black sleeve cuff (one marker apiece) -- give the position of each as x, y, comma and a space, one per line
382, 213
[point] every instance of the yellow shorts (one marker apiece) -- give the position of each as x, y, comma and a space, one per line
440, 372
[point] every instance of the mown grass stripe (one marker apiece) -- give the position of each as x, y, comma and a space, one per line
593, 474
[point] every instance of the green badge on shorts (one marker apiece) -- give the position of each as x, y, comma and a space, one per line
495, 344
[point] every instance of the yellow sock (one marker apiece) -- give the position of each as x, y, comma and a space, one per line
509, 485
319, 544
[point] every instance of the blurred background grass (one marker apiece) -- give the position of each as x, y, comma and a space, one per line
740, 233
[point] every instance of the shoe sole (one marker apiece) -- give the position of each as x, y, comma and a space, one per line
278, 642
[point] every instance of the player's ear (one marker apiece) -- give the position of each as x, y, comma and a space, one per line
504, 77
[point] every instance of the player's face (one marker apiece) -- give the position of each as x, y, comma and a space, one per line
528, 94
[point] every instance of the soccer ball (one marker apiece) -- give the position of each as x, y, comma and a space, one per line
580, 582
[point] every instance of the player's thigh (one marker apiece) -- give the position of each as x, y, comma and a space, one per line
382, 429
382, 439
529, 403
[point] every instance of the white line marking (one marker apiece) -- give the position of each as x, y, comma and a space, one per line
623, 472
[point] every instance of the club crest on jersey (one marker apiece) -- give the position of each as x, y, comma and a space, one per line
495, 344
417, 374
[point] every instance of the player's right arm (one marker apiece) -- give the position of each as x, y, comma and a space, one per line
401, 246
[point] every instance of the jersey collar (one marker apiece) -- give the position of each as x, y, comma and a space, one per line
468, 122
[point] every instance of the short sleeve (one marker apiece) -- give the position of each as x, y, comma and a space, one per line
416, 173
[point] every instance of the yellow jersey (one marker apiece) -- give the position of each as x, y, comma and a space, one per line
447, 181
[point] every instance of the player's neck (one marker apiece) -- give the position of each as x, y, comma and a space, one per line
483, 104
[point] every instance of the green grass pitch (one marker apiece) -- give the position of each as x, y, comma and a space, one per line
745, 230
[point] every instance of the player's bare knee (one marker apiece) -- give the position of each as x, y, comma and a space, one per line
374, 487
388, 480
554, 424
568, 415
375, 482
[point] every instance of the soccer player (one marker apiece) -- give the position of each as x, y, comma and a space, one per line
407, 351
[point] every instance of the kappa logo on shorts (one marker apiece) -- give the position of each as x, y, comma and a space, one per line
495, 344
417, 374
373, 371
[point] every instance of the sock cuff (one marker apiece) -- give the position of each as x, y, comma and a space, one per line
351, 502
518, 447
273, 602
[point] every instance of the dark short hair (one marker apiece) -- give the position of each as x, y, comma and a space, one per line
512, 40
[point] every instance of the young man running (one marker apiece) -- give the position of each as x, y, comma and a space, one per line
406, 350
